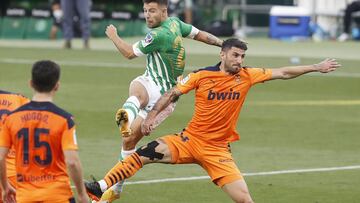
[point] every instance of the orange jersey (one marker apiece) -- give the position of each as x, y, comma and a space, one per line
218, 101
9, 102
40, 132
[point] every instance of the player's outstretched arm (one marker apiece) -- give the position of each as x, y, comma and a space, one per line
165, 100
325, 66
75, 171
208, 38
124, 48
8, 192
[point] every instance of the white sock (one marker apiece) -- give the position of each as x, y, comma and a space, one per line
103, 185
132, 107
126, 153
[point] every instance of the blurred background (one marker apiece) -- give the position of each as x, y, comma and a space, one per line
279, 19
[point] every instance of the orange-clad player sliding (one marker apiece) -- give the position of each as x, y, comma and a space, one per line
220, 92
9, 102
44, 140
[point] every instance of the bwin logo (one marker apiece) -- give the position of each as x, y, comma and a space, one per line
223, 95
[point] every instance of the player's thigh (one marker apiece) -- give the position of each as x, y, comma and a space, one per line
180, 148
238, 191
156, 151
219, 163
145, 86
138, 89
70, 200
142, 88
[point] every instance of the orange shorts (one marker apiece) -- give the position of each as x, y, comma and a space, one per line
216, 160
12, 181
72, 200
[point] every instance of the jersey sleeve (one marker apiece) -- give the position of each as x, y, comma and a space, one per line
151, 43
258, 75
188, 30
24, 100
5, 137
188, 83
68, 139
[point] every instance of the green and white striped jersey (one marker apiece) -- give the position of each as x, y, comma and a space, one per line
165, 52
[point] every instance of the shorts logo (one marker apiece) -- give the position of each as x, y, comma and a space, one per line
148, 39
225, 160
184, 80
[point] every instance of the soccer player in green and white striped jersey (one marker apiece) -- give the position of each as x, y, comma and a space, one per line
163, 47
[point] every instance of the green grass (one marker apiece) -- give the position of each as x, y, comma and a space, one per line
308, 122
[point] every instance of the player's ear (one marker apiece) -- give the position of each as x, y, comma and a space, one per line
57, 86
222, 54
31, 84
164, 11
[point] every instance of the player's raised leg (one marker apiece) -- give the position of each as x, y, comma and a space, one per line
128, 112
129, 125
238, 191
154, 152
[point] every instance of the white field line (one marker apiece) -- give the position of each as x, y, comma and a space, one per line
306, 103
142, 66
248, 174
268, 173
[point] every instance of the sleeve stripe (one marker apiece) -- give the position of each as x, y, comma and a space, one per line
193, 33
136, 50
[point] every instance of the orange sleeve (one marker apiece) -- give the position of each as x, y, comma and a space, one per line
258, 75
188, 83
68, 140
24, 100
5, 137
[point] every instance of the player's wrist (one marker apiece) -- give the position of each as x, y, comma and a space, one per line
315, 67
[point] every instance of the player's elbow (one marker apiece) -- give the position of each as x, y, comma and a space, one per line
71, 159
130, 55
282, 75
71, 163
2, 159
286, 76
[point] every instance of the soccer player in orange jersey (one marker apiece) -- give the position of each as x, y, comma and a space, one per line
44, 139
220, 92
9, 102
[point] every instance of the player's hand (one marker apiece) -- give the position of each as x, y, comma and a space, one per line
147, 125
111, 31
83, 198
9, 194
146, 128
327, 65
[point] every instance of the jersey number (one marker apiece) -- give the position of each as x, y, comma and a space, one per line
38, 143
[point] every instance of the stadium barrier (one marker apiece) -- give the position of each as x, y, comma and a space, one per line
19, 23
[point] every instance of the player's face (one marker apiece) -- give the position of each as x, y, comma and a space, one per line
232, 59
154, 14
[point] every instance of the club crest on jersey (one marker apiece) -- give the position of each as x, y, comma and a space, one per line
148, 39
184, 80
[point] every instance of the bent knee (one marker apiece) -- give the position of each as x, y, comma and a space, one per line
245, 198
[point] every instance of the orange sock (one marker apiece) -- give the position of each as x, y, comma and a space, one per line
124, 169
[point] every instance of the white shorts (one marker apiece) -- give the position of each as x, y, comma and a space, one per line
154, 94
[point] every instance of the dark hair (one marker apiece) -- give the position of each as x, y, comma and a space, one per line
233, 42
44, 75
160, 2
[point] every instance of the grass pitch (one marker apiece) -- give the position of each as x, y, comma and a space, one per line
306, 123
